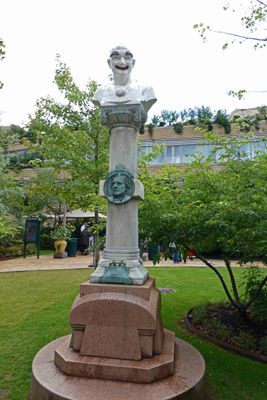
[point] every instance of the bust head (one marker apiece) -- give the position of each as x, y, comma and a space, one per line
122, 90
121, 62
119, 186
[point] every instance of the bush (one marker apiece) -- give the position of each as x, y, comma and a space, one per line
245, 341
11, 236
263, 345
178, 127
222, 119
46, 242
251, 281
222, 322
8, 229
199, 314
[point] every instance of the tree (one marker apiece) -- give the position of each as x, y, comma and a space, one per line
11, 192
253, 27
211, 210
202, 116
2, 56
71, 141
166, 118
11, 195
253, 21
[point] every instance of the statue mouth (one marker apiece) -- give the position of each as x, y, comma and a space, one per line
122, 67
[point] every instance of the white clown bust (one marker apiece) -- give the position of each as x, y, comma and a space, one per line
122, 90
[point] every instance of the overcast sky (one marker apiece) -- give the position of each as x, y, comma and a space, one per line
169, 53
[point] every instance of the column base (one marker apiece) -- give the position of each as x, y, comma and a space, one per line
135, 268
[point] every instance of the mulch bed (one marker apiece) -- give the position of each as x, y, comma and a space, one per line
229, 326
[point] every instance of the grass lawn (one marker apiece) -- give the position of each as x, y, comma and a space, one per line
35, 310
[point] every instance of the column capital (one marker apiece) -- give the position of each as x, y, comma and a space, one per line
123, 115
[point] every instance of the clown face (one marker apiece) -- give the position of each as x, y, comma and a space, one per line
121, 61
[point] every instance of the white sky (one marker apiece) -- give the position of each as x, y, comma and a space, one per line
169, 53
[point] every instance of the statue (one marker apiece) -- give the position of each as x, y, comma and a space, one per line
122, 90
119, 185
124, 105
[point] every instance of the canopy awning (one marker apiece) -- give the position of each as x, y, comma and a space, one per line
83, 214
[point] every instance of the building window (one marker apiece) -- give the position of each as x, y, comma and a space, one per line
184, 153
173, 155
159, 159
258, 147
145, 150
187, 153
204, 150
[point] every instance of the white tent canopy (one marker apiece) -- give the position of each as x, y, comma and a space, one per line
82, 214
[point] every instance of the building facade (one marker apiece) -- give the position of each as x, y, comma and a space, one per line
179, 148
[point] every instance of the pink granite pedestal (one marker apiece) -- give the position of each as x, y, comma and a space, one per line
187, 382
118, 350
117, 321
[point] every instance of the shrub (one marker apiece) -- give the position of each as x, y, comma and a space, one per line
178, 127
251, 281
263, 345
8, 229
150, 128
245, 340
46, 242
11, 236
199, 314
222, 119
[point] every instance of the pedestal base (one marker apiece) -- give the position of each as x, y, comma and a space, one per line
117, 321
136, 271
146, 370
187, 382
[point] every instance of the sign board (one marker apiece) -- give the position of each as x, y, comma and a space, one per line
32, 233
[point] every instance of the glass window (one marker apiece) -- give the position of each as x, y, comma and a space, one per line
147, 149
159, 159
169, 154
176, 154
258, 147
173, 155
144, 150
204, 150
243, 151
219, 155
187, 153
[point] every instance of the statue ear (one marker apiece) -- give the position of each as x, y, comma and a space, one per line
109, 62
133, 62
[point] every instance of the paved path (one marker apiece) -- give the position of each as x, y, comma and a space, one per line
32, 263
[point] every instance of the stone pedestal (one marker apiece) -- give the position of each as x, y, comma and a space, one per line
117, 344
186, 383
109, 322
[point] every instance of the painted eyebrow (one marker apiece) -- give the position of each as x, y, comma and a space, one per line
114, 53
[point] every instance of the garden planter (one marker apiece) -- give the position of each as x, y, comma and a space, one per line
60, 247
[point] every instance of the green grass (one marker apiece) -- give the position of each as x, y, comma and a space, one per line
34, 309
46, 251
